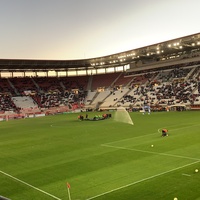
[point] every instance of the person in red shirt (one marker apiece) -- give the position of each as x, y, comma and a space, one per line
164, 132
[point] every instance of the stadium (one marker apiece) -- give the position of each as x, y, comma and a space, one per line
48, 153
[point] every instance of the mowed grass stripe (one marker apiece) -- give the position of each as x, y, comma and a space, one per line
71, 151
142, 180
29, 185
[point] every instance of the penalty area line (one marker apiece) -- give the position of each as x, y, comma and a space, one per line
132, 138
160, 129
30, 185
142, 180
151, 152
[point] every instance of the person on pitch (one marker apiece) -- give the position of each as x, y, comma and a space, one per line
164, 132
146, 107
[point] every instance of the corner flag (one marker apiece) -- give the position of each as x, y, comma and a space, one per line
68, 185
68, 190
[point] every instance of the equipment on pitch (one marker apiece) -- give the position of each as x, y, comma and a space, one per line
123, 116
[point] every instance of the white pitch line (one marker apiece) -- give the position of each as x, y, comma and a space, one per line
30, 185
171, 130
158, 131
152, 152
1, 197
142, 180
186, 174
132, 138
185, 127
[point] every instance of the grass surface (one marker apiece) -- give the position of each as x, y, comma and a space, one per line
102, 160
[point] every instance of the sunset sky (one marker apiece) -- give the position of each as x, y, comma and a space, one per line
78, 29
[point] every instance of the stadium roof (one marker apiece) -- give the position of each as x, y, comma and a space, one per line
155, 51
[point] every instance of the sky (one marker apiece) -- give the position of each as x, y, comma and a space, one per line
81, 29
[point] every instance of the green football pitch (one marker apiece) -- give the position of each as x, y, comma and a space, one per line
101, 160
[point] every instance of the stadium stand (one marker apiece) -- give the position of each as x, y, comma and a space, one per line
104, 81
165, 81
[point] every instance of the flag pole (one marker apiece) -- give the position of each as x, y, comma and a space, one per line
68, 190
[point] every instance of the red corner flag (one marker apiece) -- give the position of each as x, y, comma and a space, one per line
68, 189
68, 185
